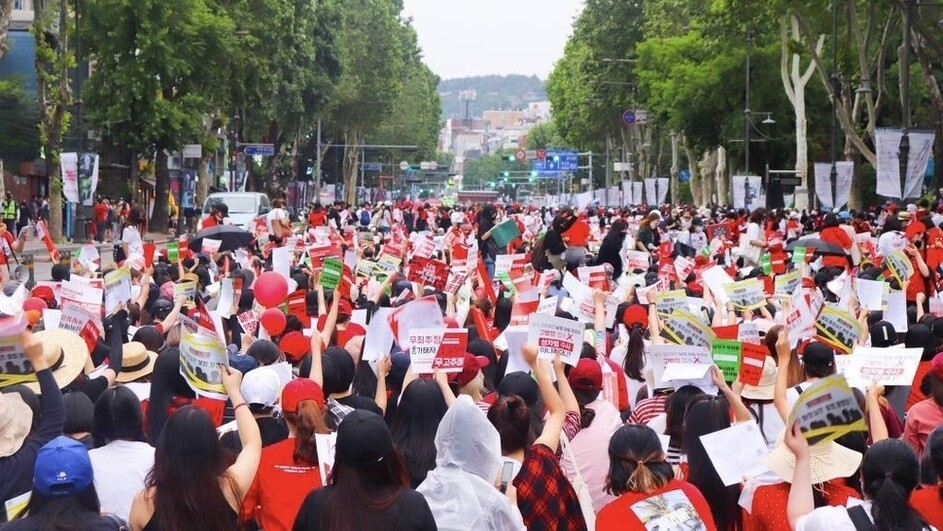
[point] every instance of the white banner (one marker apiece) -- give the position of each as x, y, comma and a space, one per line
663, 183
823, 183
614, 198
747, 192
69, 166
627, 197
651, 192
887, 146
88, 177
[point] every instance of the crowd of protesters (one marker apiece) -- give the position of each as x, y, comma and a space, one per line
306, 424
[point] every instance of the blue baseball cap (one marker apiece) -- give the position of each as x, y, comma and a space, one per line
62, 468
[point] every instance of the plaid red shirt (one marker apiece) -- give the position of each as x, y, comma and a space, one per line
544, 495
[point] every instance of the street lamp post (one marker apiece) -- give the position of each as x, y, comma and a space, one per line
834, 87
904, 154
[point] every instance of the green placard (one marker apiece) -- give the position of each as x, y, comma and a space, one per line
173, 251
505, 232
798, 254
505, 279
331, 272
726, 355
765, 264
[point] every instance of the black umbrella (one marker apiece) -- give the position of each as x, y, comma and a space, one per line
233, 238
819, 246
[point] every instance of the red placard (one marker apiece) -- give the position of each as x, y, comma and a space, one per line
730, 332
429, 272
521, 311
752, 358
451, 353
719, 230
149, 249
298, 307
319, 252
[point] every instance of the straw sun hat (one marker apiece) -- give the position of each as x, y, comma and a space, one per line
136, 362
829, 460
15, 420
66, 354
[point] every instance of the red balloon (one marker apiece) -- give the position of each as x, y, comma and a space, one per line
270, 289
34, 303
274, 321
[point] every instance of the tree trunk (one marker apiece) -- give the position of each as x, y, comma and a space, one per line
708, 175
161, 190
675, 167
6, 13
696, 181
203, 184
135, 177
55, 197
723, 180
351, 164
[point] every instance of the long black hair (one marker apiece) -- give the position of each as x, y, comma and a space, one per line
708, 415
636, 461
635, 354
889, 474
421, 408
79, 511
358, 495
118, 416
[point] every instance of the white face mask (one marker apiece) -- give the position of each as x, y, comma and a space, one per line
685, 223
699, 228
654, 225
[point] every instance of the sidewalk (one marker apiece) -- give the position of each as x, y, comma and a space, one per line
36, 247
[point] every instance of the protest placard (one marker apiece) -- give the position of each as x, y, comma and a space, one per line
117, 289
185, 289
746, 294
838, 328
456, 280
331, 271
787, 283
325, 444
594, 276
736, 452
683, 328
715, 278
752, 358
505, 232
437, 348
883, 366
667, 302
201, 358
872, 294
249, 322
427, 272
556, 335
663, 355
726, 355
647, 294
318, 252
379, 338
936, 306
173, 252
15, 368
799, 319
548, 306
86, 324
84, 295
748, 332
827, 410
420, 313
637, 260
210, 246
505, 263
683, 267
898, 263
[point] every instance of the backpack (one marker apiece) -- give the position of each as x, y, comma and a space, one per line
365, 217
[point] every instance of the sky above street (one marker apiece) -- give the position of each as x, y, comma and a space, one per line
462, 38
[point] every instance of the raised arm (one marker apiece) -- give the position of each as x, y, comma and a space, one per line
172, 317
563, 385
550, 436
442, 379
243, 470
801, 501
317, 372
876, 424
383, 369
782, 373
740, 411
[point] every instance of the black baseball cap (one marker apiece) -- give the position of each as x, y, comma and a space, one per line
883, 334
521, 384
363, 439
818, 355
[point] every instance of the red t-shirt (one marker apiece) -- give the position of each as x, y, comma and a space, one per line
578, 234
5, 246
279, 488
928, 503
343, 336
101, 212
317, 219
678, 501
768, 512
210, 221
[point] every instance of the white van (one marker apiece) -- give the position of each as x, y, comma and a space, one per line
243, 207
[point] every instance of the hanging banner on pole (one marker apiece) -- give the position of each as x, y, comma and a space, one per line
662, 189
887, 147
747, 192
88, 178
651, 191
69, 166
823, 183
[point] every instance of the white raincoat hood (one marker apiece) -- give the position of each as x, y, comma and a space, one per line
460, 490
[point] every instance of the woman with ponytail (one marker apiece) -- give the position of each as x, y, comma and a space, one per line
288, 470
631, 355
649, 497
889, 474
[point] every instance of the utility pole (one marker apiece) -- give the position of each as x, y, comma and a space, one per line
904, 154
317, 167
746, 122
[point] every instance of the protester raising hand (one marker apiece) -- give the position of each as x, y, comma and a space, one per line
783, 358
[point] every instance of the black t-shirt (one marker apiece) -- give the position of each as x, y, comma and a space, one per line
273, 430
85, 521
407, 513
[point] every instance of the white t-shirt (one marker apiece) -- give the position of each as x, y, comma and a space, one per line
119, 468
132, 238
792, 396
275, 215
831, 518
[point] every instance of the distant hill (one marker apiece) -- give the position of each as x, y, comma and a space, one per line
511, 92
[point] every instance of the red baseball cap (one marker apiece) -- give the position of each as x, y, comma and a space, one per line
635, 315
470, 368
586, 376
45, 293
299, 390
295, 345
936, 366
344, 307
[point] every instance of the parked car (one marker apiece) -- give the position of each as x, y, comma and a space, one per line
244, 207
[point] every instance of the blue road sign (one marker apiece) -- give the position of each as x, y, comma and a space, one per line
556, 163
684, 176
264, 150
628, 117
372, 166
